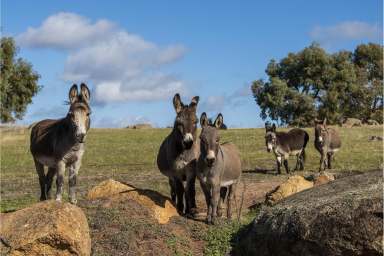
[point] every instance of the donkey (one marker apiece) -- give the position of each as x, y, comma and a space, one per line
285, 144
59, 144
219, 168
178, 154
327, 142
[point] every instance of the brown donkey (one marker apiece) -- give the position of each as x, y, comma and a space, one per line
178, 154
218, 168
59, 144
285, 144
327, 142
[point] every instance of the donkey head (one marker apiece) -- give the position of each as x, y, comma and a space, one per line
270, 136
320, 130
185, 124
79, 111
209, 139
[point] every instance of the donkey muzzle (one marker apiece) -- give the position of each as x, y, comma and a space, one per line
80, 137
187, 141
210, 161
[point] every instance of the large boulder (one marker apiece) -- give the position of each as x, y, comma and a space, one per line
108, 188
321, 178
352, 122
45, 228
158, 205
343, 217
372, 122
291, 186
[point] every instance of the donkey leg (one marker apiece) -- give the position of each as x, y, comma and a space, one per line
322, 161
278, 163
329, 157
40, 173
223, 196
302, 160
231, 190
214, 202
297, 166
72, 179
179, 196
60, 180
49, 180
190, 194
286, 166
173, 189
207, 195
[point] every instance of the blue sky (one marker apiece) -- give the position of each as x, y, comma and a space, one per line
135, 55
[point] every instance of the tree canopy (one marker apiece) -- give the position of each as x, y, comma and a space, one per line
18, 82
313, 84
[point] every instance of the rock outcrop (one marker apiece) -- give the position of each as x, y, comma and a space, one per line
352, 122
343, 217
291, 186
160, 206
45, 228
321, 178
372, 122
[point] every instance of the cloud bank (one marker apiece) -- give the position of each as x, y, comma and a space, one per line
120, 65
344, 31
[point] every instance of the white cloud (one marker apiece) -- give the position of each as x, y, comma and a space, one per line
65, 31
120, 65
122, 122
348, 30
234, 99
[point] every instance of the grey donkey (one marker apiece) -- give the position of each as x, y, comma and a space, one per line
178, 154
59, 144
219, 168
285, 144
327, 142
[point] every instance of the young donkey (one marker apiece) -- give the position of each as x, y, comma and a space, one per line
219, 168
285, 144
178, 154
59, 144
327, 142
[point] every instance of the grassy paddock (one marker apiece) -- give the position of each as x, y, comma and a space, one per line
130, 156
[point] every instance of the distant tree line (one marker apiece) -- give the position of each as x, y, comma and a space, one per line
313, 84
18, 82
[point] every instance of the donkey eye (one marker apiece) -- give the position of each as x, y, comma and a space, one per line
89, 113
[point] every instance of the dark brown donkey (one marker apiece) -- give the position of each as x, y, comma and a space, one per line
59, 144
285, 144
178, 154
218, 168
327, 142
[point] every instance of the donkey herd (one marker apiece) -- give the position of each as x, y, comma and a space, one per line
183, 155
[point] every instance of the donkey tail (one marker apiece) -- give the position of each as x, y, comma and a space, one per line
303, 156
306, 139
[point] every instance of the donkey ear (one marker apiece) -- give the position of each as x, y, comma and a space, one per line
325, 121
204, 120
267, 126
73, 93
194, 101
219, 121
273, 127
85, 93
177, 104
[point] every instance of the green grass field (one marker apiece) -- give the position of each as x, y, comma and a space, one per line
130, 156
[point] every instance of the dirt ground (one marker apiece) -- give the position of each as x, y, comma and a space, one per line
124, 227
